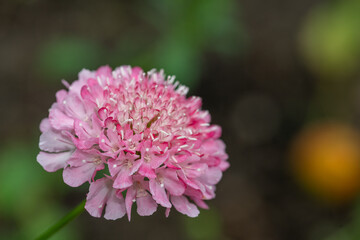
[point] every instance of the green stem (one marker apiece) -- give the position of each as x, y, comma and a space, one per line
62, 222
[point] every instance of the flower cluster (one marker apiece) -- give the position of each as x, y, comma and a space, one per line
134, 137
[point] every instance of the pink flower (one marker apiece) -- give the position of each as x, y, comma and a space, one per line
139, 136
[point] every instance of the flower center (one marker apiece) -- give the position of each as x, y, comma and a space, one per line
147, 157
97, 161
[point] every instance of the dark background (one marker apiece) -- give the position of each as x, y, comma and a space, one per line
265, 71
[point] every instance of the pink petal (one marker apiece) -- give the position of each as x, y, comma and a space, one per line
76, 176
212, 176
97, 197
130, 197
157, 160
123, 179
53, 161
146, 206
45, 125
136, 72
172, 182
182, 204
224, 165
136, 166
52, 141
61, 95
146, 171
167, 212
158, 193
60, 120
74, 106
115, 206
195, 170
114, 166
78, 158
200, 203
85, 75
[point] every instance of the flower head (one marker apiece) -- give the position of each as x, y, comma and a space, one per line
135, 138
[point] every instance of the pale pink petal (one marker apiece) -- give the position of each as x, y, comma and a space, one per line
146, 171
146, 206
114, 166
123, 179
158, 193
76, 176
157, 160
61, 95
212, 176
129, 199
53, 161
45, 125
182, 204
224, 165
97, 197
167, 212
59, 120
52, 141
115, 206
172, 182
135, 167
74, 106
195, 170
200, 203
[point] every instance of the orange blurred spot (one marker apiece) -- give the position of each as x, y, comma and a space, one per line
326, 160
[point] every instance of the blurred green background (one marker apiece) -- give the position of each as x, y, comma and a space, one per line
281, 77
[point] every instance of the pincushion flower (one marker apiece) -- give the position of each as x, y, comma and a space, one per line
135, 138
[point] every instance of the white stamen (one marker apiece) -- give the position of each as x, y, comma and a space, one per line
167, 134
100, 206
147, 149
122, 134
102, 140
122, 70
204, 124
151, 72
162, 185
84, 161
113, 100
114, 166
173, 158
99, 80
